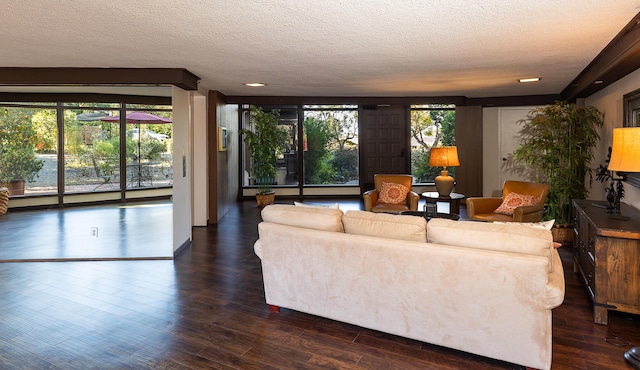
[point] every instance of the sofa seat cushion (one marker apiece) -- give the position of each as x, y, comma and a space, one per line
507, 237
385, 225
317, 218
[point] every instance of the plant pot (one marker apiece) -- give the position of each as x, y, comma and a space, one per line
265, 199
16, 187
562, 234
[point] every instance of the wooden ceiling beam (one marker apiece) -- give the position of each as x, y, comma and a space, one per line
619, 58
62, 76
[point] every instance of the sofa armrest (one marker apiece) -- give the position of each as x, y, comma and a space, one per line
556, 284
531, 213
370, 199
412, 200
482, 205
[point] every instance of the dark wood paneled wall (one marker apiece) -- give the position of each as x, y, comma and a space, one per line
469, 143
222, 166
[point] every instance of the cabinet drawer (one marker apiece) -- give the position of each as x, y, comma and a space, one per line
587, 270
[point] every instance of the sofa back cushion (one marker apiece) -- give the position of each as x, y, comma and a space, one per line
506, 237
318, 218
385, 225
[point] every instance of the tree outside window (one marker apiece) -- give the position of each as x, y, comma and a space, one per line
331, 145
431, 125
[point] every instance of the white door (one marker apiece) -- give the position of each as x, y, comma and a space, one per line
509, 131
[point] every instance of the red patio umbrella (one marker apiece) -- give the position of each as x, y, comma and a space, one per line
139, 118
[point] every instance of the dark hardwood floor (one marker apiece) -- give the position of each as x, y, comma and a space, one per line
206, 309
123, 231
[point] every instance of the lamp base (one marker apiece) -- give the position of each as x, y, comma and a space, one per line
444, 184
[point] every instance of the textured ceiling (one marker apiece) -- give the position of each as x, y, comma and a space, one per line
473, 48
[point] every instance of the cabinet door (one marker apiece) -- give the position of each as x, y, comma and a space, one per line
584, 251
620, 273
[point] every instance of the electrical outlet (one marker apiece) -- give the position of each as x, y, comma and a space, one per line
94, 232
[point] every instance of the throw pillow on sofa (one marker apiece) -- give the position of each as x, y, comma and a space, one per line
392, 193
515, 200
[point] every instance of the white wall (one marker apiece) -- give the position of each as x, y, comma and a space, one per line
182, 129
495, 122
610, 101
199, 154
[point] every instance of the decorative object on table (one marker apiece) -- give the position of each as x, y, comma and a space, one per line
615, 192
264, 138
556, 146
452, 199
444, 156
625, 157
430, 210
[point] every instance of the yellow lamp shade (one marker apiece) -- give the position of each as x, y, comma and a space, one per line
444, 156
625, 150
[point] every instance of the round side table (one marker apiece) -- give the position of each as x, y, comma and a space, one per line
453, 199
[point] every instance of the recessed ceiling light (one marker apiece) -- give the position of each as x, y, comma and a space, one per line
533, 79
255, 84
598, 82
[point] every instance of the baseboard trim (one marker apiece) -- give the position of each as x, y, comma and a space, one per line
181, 248
85, 259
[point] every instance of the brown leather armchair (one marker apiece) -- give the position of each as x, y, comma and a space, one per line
371, 196
481, 209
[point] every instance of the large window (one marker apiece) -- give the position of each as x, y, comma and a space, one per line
91, 150
92, 142
431, 125
323, 148
324, 151
28, 149
330, 145
286, 155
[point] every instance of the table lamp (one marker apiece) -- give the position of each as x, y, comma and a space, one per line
625, 155
444, 156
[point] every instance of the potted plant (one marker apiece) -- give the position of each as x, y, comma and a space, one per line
556, 148
18, 162
264, 139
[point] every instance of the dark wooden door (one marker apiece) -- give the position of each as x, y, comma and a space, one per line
384, 142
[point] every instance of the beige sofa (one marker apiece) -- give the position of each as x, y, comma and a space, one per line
477, 287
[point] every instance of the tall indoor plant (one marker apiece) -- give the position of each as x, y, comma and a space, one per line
264, 138
18, 162
556, 148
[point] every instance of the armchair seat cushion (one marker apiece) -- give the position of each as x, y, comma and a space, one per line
492, 217
389, 208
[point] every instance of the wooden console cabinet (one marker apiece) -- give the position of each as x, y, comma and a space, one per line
607, 257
